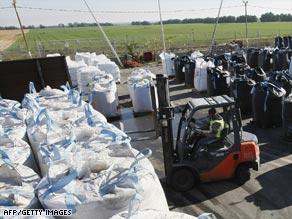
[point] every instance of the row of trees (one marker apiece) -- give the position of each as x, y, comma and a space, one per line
270, 17
75, 24
267, 17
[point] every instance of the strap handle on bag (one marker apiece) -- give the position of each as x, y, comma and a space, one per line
32, 89
116, 138
135, 197
74, 96
6, 132
5, 113
7, 161
5, 158
84, 94
70, 202
51, 125
66, 88
88, 115
16, 106
30, 103
61, 183
68, 145
4, 202
69, 141
131, 174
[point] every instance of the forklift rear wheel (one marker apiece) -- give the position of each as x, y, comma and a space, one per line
183, 179
242, 174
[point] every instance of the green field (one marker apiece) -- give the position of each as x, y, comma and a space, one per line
147, 38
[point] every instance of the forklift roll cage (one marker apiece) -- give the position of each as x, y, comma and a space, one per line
231, 115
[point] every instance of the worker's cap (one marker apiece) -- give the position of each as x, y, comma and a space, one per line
212, 111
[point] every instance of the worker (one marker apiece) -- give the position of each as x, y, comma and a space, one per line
216, 126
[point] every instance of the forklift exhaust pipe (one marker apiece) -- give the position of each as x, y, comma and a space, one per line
165, 121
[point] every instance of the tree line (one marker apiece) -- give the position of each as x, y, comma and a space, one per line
267, 17
61, 25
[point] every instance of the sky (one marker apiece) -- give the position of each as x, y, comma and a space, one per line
36, 12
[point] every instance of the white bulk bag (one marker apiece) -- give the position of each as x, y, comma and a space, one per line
99, 137
200, 77
79, 56
7, 103
101, 58
90, 117
104, 98
49, 153
138, 74
73, 66
168, 63
18, 151
141, 98
45, 130
50, 93
17, 187
13, 131
111, 68
85, 76
96, 152
12, 123
86, 57
102, 194
153, 214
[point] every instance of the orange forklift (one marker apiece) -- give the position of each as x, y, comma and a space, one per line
188, 163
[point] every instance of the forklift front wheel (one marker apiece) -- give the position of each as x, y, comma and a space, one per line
242, 174
183, 179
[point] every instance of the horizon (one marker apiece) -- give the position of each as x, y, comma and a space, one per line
53, 12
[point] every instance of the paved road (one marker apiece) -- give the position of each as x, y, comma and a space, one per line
267, 195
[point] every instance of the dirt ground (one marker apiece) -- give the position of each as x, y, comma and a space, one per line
8, 37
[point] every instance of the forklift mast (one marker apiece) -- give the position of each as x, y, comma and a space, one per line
165, 116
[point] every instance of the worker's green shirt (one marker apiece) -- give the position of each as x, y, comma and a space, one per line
216, 126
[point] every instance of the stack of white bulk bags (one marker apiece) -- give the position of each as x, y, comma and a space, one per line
200, 78
141, 96
101, 62
105, 98
12, 119
168, 63
87, 165
85, 76
85, 56
108, 66
154, 214
73, 66
103, 191
17, 177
